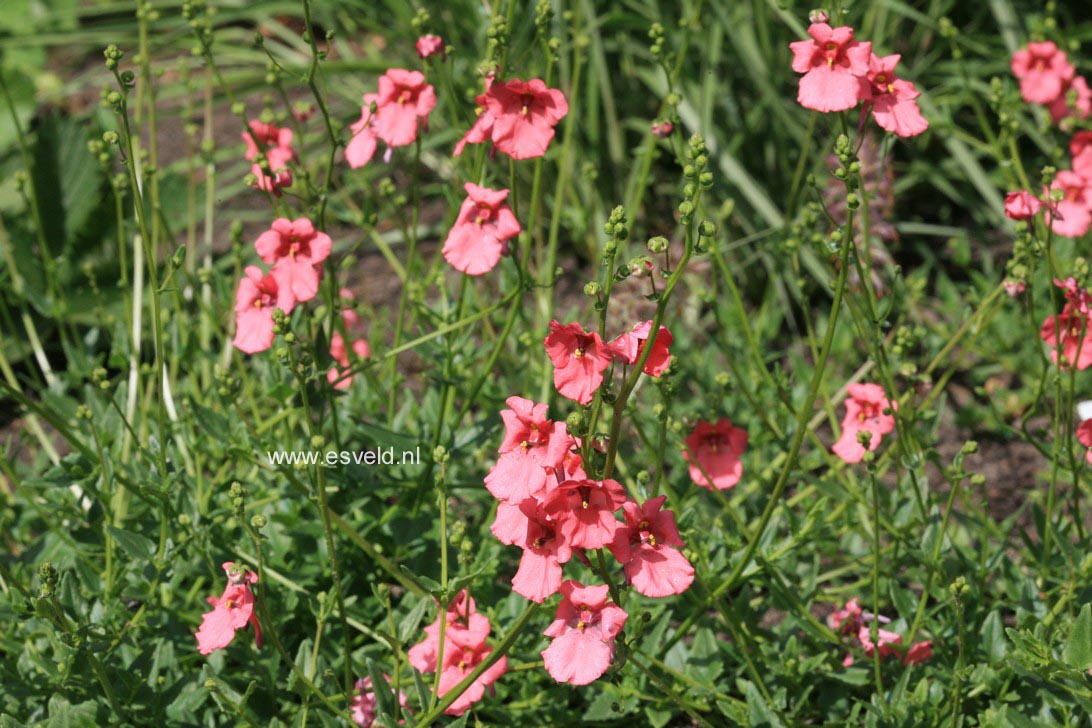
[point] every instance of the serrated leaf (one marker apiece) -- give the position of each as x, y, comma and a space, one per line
1078, 648
759, 712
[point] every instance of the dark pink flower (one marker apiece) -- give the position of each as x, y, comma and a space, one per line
892, 98
583, 629
1084, 436
1043, 70
264, 137
715, 449
481, 232
364, 705
628, 348
918, 653
431, 45
833, 65
255, 300
1022, 205
584, 511
524, 114
865, 407
579, 358
365, 140
1074, 211
1074, 101
233, 611
403, 104
533, 448
296, 251
646, 547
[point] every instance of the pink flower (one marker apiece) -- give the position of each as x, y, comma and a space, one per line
715, 449
265, 137
644, 546
481, 232
459, 662
1084, 436
296, 251
280, 176
833, 64
583, 629
1069, 330
1074, 101
1080, 148
1014, 288
584, 510
533, 447
524, 114
431, 45
255, 300
544, 549
662, 129
628, 348
848, 619
579, 358
1021, 205
361, 147
404, 102
482, 129
234, 610
864, 411
918, 653
364, 705
886, 640
1043, 70
892, 98
336, 374
1074, 211
464, 627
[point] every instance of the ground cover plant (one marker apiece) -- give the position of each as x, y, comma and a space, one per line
477, 363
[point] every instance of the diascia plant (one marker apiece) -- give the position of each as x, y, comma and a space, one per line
555, 363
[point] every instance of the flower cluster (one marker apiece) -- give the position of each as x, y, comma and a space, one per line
463, 649
854, 621
867, 410
233, 611
296, 251
394, 115
517, 116
580, 357
1048, 78
338, 375
551, 509
270, 149
1068, 202
364, 704
1067, 333
840, 72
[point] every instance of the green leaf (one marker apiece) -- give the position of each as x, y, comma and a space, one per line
407, 628
137, 546
1078, 648
993, 638
759, 713
460, 722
